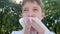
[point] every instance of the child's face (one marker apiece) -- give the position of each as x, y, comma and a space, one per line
32, 10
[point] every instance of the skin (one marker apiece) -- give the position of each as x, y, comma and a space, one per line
32, 9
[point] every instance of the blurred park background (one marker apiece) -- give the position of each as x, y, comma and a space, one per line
10, 13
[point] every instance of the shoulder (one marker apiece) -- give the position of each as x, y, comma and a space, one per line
48, 32
17, 32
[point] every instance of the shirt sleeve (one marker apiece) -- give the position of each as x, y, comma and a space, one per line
14, 32
48, 32
17, 32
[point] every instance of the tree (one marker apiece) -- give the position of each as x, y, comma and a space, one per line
10, 15
52, 19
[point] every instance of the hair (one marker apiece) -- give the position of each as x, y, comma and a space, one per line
39, 2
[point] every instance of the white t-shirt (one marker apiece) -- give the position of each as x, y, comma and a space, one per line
22, 21
22, 32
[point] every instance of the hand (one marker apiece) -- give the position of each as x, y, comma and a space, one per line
27, 27
37, 27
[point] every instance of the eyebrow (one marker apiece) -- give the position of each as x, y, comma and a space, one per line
36, 7
26, 8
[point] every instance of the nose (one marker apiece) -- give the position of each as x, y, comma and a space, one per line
31, 14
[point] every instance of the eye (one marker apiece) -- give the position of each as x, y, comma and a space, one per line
35, 10
25, 10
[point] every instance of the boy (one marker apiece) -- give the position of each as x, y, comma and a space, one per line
32, 8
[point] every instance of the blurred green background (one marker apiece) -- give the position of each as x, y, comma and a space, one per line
10, 13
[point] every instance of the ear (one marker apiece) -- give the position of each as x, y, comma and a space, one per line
43, 15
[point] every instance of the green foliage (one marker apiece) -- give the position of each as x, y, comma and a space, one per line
52, 19
10, 13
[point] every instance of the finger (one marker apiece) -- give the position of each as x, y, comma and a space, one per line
35, 25
28, 23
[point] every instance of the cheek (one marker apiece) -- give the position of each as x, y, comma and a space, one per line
39, 15
24, 15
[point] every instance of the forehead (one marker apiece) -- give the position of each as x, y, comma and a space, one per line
31, 4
